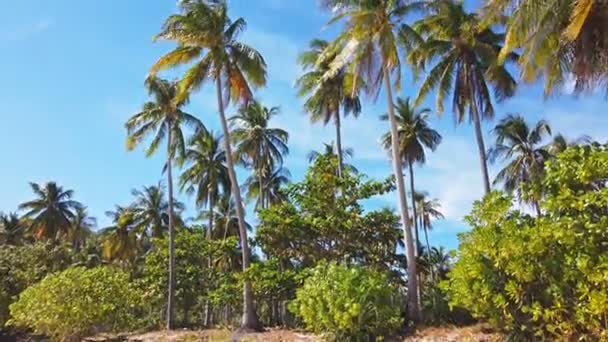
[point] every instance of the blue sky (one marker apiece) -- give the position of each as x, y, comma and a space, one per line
73, 71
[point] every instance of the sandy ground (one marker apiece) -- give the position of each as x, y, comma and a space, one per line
477, 333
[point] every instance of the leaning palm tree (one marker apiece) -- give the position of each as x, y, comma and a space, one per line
415, 135
326, 96
81, 228
207, 39
150, 210
51, 212
163, 118
466, 66
12, 229
558, 39
270, 185
520, 146
206, 174
257, 145
428, 210
367, 47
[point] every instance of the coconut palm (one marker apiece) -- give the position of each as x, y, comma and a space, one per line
520, 146
150, 211
50, 214
428, 210
326, 96
270, 185
329, 149
415, 135
367, 46
163, 118
560, 143
119, 241
81, 228
12, 229
558, 39
466, 66
257, 145
207, 39
226, 218
206, 173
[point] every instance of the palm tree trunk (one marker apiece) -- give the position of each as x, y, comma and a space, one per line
414, 213
250, 320
339, 143
211, 202
171, 292
412, 281
428, 247
481, 146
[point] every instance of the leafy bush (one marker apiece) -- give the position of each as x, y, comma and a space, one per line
541, 277
22, 266
348, 303
76, 302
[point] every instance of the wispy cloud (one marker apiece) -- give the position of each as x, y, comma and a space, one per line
27, 30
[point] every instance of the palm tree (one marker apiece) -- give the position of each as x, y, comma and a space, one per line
205, 34
329, 149
257, 145
368, 46
226, 218
81, 228
150, 210
12, 229
206, 173
51, 212
415, 135
119, 242
428, 210
326, 95
558, 39
466, 67
163, 118
560, 143
270, 185
520, 146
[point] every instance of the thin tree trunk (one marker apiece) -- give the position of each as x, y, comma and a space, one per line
414, 213
211, 202
171, 292
481, 146
412, 283
250, 320
428, 247
339, 143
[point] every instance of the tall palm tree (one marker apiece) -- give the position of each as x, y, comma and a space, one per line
428, 210
119, 241
270, 185
206, 173
368, 47
81, 228
150, 210
520, 146
325, 96
466, 66
163, 118
12, 229
51, 212
415, 135
558, 39
257, 145
207, 39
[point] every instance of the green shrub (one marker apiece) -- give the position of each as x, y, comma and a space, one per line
348, 303
77, 302
541, 277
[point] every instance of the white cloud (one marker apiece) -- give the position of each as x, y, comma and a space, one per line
27, 31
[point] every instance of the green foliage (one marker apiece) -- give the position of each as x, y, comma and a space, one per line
323, 219
546, 276
22, 266
348, 303
76, 302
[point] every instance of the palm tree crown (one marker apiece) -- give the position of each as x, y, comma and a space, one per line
82, 227
12, 229
150, 210
51, 212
